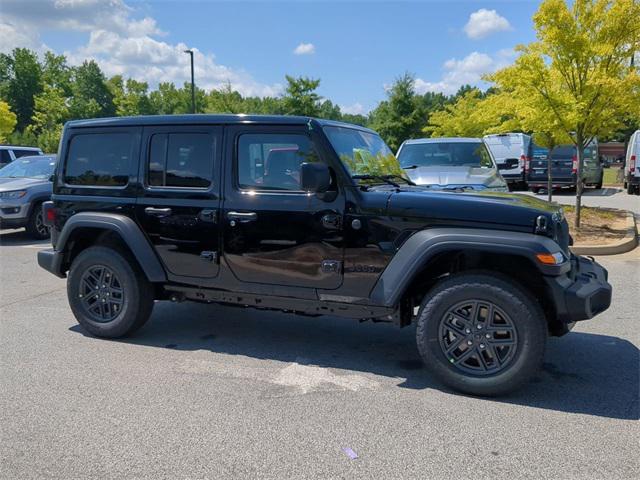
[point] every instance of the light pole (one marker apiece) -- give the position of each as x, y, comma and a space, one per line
193, 85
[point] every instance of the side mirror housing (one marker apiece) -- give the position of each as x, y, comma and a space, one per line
315, 177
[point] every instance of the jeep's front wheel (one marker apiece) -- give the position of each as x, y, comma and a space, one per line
480, 334
108, 294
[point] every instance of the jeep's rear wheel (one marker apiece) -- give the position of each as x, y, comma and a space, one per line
108, 294
481, 335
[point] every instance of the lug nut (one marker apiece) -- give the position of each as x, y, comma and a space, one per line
481, 345
467, 331
487, 336
469, 342
479, 327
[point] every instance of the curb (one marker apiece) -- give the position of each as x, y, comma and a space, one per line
628, 243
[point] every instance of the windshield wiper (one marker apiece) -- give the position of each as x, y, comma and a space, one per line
382, 178
388, 179
408, 182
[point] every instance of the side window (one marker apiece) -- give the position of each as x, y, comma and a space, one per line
183, 160
5, 157
485, 157
99, 159
271, 161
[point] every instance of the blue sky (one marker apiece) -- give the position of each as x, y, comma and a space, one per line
355, 48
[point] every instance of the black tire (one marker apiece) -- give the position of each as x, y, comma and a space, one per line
598, 185
528, 333
630, 188
35, 226
535, 190
120, 273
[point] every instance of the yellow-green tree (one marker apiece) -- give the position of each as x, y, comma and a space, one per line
8, 121
50, 113
578, 71
472, 115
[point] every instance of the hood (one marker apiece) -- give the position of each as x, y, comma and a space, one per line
22, 183
442, 176
481, 208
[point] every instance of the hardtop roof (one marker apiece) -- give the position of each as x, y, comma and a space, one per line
207, 119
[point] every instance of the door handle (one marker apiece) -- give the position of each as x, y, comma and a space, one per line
242, 217
157, 212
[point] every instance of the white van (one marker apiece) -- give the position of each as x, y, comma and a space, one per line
632, 165
512, 153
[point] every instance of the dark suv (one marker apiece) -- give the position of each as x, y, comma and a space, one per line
316, 218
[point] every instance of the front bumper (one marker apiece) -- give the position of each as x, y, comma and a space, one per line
581, 293
12, 215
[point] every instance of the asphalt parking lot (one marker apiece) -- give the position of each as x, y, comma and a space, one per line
218, 392
607, 197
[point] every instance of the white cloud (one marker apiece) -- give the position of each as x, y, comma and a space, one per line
485, 22
305, 49
120, 43
354, 109
468, 70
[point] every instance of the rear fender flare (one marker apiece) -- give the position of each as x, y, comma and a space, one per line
127, 229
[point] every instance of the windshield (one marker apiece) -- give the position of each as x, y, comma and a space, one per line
363, 153
445, 154
32, 167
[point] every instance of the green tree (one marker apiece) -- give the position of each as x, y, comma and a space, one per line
329, 110
48, 120
130, 97
402, 115
578, 70
20, 81
225, 100
300, 97
56, 73
91, 96
8, 121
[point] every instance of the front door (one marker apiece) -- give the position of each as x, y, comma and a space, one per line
180, 200
273, 232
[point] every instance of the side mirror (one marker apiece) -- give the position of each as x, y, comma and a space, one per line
315, 177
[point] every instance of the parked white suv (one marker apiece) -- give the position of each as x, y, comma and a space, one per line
632, 165
8, 153
512, 153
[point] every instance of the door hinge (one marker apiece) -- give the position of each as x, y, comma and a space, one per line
331, 266
209, 256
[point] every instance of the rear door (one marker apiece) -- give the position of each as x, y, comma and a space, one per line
538, 164
274, 233
563, 168
178, 207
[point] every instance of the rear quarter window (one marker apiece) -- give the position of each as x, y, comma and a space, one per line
99, 159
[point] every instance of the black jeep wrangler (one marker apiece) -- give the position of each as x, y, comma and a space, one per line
315, 218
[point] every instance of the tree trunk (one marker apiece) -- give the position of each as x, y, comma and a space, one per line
580, 154
549, 177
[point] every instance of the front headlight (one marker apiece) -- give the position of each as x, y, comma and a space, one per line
13, 194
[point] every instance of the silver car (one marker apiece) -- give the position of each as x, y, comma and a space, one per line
24, 184
451, 164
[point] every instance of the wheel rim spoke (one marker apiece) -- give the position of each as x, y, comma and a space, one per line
478, 337
101, 292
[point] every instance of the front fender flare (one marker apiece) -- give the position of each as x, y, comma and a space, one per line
422, 246
128, 231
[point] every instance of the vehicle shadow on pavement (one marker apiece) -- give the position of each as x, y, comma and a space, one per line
17, 238
587, 192
583, 373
